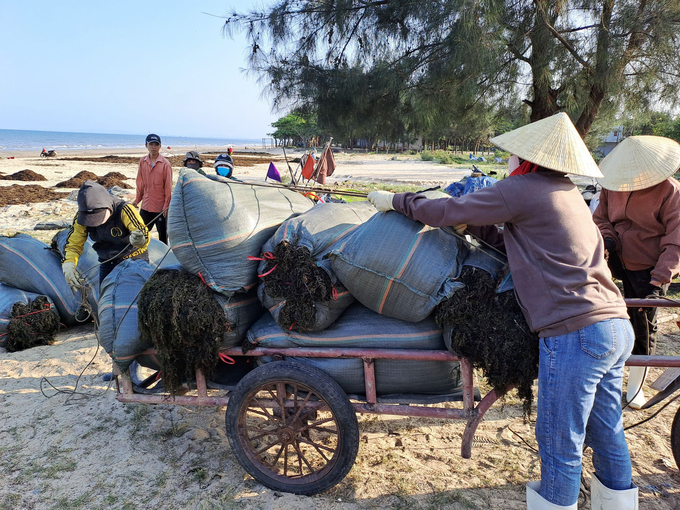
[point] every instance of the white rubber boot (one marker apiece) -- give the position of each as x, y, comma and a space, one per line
536, 502
602, 498
635, 381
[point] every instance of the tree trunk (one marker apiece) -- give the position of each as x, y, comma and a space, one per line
544, 102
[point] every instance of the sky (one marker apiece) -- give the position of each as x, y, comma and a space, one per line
128, 67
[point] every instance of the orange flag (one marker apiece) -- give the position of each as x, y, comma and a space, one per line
308, 168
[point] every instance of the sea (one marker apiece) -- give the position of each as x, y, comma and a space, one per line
24, 140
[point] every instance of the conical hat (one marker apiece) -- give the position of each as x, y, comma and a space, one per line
552, 143
640, 162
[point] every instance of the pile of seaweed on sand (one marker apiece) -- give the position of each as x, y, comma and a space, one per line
24, 175
185, 323
31, 325
299, 281
109, 180
490, 330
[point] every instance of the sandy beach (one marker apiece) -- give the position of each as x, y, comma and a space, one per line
65, 450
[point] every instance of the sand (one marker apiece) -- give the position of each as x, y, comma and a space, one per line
90, 451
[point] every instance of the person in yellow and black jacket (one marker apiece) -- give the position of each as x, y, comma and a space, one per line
115, 227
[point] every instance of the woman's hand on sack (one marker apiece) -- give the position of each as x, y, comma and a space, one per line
382, 200
71, 275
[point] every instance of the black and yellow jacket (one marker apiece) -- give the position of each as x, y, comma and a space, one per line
111, 239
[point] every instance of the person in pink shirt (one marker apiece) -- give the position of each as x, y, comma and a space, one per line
154, 187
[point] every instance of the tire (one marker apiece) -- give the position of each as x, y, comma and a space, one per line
310, 451
675, 438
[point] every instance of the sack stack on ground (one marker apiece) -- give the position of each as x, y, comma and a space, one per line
359, 327
399, 267
214, 225
297, 284
30, 265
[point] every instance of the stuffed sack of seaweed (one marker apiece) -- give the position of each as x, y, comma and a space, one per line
360, 327
188, 324
298, 286
214, 225
9, 296
399, 267
39, 272
32, 324
484, 323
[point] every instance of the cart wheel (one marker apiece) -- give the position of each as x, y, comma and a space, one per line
292, 428
675, 438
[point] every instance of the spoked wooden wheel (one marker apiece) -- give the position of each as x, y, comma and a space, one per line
675, 438
292, 428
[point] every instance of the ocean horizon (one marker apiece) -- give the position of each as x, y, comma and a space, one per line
28, 140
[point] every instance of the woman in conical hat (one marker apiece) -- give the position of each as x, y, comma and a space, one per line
639, 218
556, 256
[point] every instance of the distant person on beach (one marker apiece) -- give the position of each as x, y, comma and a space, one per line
230, 151
154, 187
116, 228
224, 166
193, 160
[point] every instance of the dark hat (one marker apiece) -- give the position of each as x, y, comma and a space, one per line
192, 155
153, 138
93, 202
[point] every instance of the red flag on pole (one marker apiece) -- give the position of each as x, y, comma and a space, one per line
308, 168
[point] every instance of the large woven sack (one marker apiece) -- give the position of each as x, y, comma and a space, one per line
399, 267
215, 224
30, 265
118, 329
318, 230
361, 328
9, 296
241, 312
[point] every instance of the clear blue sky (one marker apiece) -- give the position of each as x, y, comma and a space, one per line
129, 67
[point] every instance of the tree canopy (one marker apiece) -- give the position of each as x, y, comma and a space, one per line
398, 68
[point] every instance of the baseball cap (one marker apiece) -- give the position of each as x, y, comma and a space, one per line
153, 138
224, 160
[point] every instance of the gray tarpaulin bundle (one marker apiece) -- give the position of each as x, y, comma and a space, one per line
317, 230
9, 296
399, 267
361, 328
118, 329
30, 265
214, 225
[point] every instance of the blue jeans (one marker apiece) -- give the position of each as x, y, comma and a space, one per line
579, 399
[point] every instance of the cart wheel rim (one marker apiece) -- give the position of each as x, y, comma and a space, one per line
289, 432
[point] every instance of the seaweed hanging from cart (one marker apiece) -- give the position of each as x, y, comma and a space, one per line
293, 275
490, 330
185, 323
31, 325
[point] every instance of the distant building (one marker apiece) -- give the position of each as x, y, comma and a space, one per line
612, 140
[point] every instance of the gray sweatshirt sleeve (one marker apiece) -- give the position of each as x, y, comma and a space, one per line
483, 207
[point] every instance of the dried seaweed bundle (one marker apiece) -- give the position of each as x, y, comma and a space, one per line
296, 278
489, 329
31, 325
185, 323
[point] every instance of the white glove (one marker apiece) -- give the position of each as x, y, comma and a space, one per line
137, 239
382, 200
71, 275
